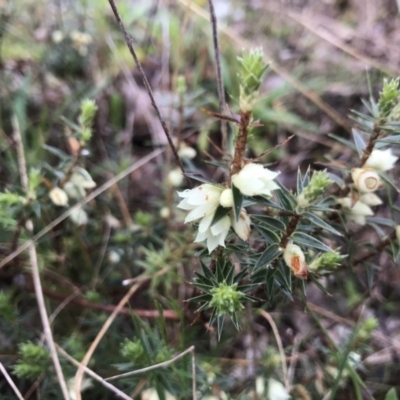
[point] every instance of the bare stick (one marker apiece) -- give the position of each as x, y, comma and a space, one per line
98, 378
268, 317
152, 367
221, 92
86, 200
97, 339
35, 267
104, 329
129, 43
10, 382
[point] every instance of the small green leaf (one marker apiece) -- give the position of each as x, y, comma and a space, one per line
359, 141
269, 235
219, 214
237, 201
299, 184
57, 152
320, 223
199, 178
346, 142
270, 254
303, 239
273, 223
391, 394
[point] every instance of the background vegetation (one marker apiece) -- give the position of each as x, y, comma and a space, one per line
341, 342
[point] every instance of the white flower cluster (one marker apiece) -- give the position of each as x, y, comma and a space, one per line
204, 200
367, 180
76, 187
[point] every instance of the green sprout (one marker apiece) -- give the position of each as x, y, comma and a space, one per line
318, 183
388, 97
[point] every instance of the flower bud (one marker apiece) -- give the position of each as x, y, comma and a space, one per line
242, 225
388, 96
251, 71
226, 298
295, 260
58, 197
328, 260
175, 177
186, 152
366, 180
226, 199
319, 181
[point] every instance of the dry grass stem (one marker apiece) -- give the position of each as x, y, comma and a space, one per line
103, 330
98, 378
220, 83
10, 382
35, 266
268, 317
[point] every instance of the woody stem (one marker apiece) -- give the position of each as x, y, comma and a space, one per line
240, 146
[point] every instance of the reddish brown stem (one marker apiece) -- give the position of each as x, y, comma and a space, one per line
291, 227
168, 314
240, 147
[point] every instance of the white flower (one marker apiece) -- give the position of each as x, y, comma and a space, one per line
202, 201
381, 160
366, 179
276, 391
370, 199
215, 234
295, 260
80, 177
58, 197
242, 225
254, 179
186, 151
355, 212
226, 199
79, 216
175, 177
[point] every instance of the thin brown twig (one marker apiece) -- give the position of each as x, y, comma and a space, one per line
274, 148
270, 320
35, 265
73, 299
220, 85
10, 382
152, 367
98, 378
129, 43
104, 329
